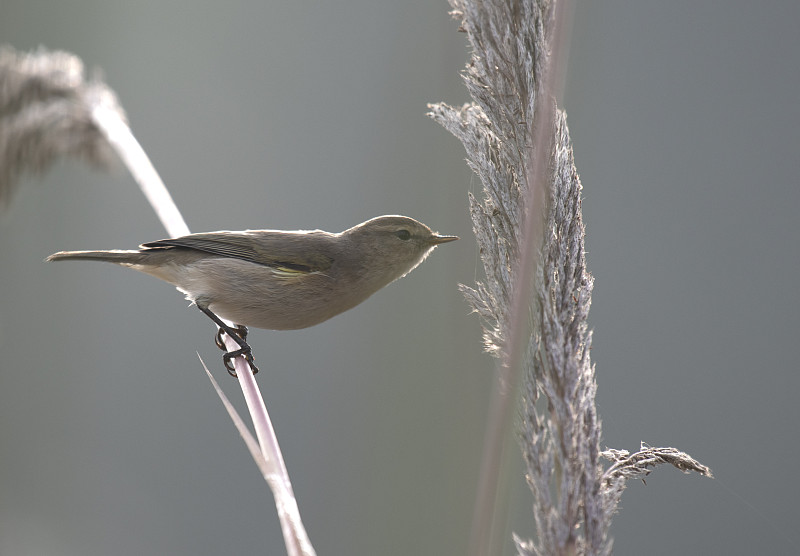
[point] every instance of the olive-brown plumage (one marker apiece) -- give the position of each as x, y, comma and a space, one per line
281, 280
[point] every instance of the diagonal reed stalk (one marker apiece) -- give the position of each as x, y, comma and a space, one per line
48, 110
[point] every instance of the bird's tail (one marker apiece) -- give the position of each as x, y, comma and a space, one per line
118, 257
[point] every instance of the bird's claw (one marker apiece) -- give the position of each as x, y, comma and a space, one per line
230, 355
244, 349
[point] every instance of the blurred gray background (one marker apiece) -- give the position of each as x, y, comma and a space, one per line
286, 115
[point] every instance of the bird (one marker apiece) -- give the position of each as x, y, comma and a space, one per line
276, 279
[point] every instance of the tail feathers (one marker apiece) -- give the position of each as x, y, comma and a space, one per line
118, 257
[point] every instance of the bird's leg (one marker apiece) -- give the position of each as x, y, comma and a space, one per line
238, 335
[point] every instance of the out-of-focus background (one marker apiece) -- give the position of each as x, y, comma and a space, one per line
281, 115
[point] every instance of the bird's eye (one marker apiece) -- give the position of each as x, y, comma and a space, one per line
403, 234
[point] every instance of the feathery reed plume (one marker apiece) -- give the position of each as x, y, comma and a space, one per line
518, 143
46, 109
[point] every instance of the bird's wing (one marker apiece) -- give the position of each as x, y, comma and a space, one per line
291, 251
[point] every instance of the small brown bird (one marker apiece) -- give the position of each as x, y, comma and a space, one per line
279, 280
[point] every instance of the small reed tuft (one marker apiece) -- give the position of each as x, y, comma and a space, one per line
46, 112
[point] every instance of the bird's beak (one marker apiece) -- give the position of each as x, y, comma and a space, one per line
437, 239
